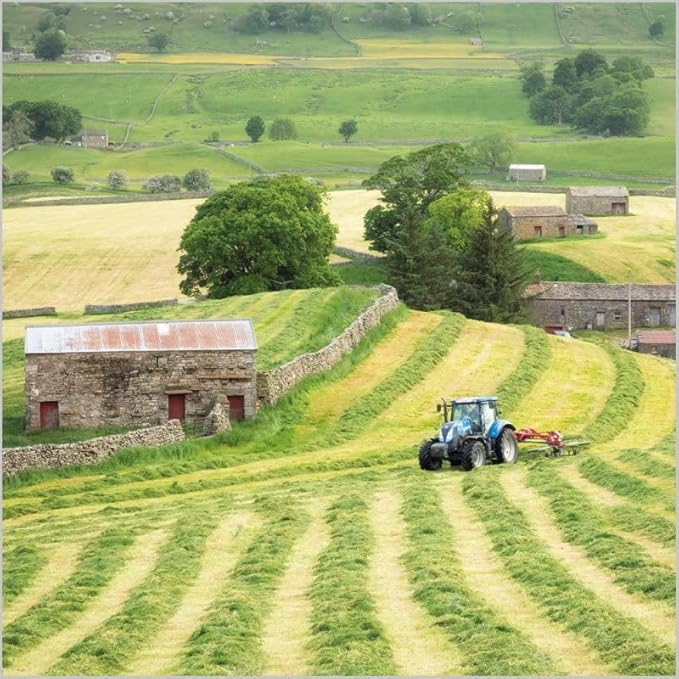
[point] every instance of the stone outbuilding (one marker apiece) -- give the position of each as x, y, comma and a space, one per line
138, 373
658, 342
600, 306
526, 173
543, 221
598, 200
94, 139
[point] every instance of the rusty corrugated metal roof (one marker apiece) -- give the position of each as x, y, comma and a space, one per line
212, 335
657, 336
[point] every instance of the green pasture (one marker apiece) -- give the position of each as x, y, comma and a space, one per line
511, 26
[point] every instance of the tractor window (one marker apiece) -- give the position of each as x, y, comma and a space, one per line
487, 415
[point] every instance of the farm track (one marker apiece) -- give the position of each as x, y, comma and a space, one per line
351, 526
653, 617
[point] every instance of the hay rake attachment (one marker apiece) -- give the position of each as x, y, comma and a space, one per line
555, 444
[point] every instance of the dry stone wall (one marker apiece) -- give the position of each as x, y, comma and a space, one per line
272, 384
35, 311
46, 455
133, 306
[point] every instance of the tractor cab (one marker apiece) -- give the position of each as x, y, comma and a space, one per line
475, 415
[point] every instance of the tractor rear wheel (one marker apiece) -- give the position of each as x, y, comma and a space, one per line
473, 455
507, 450
426, 460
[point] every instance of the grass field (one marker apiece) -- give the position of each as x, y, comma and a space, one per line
263, 550
127, 252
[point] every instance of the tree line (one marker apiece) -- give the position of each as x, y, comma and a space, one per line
590, 94
284, 129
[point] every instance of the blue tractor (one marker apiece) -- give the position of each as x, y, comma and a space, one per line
472, 436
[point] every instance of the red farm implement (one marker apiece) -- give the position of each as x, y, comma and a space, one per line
554, 444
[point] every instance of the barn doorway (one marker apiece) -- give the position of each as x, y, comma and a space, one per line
49, 415
672, 313
236, 407
537, 232
619, 208
562, 232
654, 316
600, 319
176, 407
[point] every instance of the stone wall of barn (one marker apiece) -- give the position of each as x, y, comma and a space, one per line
523, 228
594, 205
47, 455
582, 314
272, 384
132, 388
526, 175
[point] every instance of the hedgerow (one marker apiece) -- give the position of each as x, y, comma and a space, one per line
229, 640
583, 525
620, 641
347, 638
488, 642
624, 397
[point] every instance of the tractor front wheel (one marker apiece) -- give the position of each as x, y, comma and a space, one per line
473, 455
426, 460
507, 450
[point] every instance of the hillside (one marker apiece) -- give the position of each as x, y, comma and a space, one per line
226, 555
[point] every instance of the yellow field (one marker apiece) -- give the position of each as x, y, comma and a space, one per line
196, 58
69, 256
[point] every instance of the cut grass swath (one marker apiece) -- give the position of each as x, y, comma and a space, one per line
630, 517
583, 525
620, 641
20, 566
99, 562
229, 640
111, 646
488, 643
647, 465
623, 399
347, 638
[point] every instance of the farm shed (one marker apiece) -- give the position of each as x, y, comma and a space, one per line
527, 173
88, 56
138, 373
658, 342
96, 139
598, 200
543, 221
600, 306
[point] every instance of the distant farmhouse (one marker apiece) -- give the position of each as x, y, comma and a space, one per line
78, 55
138, 373
94, 139
598, 200
658, 342
601, 306
544, 221
18, 54
527, 173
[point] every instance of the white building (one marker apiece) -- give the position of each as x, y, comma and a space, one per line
527, 173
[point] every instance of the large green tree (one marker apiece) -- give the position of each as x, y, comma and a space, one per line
492, 274
51, 44
493, 150
412, 182
16, 129
590, 63
255, 127
266, 234
551, 107
565, 74
48, 118
533, 78
458, 215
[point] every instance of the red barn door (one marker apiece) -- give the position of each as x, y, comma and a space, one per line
236, 407
176, 407
49, 415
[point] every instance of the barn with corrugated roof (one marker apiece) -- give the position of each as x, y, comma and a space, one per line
138, 373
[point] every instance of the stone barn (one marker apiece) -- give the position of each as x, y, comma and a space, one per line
598, 200
543, 221
658, 342
94, 139
138, 374
527, 173
600, 306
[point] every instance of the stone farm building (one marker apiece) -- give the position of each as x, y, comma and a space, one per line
600, 306
527, 173
658, 342
89, 56
598, 200
544, 221
94, 139
136, 374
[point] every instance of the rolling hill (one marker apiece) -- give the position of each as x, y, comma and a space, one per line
265, 550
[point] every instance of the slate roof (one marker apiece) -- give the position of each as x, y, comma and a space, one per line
603, 292
607, 191
535, 211
657, 337
213, 335
581, 220
517, 166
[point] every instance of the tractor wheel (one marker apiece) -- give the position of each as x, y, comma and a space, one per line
507, 450
426, 460
473, 455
